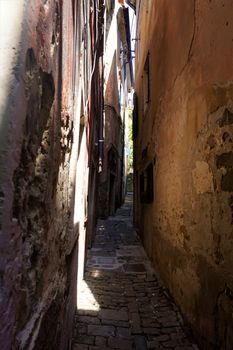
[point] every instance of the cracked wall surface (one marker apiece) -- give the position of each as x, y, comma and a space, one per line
38, 154
186, 132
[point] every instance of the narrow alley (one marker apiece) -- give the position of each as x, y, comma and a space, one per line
116, 174
122, 303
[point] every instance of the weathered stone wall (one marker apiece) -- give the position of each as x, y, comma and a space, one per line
186, 132
38, 156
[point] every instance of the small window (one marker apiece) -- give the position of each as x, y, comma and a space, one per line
147, 185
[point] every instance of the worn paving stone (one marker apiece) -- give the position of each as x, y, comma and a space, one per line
154, 331
115, 323
98, 348
134, 268
85, 339
89, 320
135, 322
119, 343
104, 331
140, 342
123, 333
117, 315
100, 341
81, 329
79, 347
150, 322
122, 303
153, 344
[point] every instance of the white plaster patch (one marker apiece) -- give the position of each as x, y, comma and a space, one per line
104, 262
202, 178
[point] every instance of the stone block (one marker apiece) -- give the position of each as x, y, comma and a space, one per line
85, 339
117, 315
100, 341
119, 343
79, 347
104, 331
123, 332
89, 320
140, 342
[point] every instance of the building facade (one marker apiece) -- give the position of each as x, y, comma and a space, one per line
117, 83
50, 124
183, 125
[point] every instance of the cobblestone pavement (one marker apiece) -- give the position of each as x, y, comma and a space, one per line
122, 303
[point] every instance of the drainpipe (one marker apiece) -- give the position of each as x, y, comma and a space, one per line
101, 117
101, 94
128, 39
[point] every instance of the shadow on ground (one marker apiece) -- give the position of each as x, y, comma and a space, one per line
122, 303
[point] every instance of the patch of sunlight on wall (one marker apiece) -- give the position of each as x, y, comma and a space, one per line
11, 19
80, 209
86, 299
111, 46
